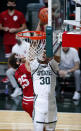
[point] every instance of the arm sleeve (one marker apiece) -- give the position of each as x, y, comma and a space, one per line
14, 49
34, 65
76, 56
22, 19
54, 65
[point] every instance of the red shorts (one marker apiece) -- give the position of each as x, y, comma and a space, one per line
8, 48
28, 107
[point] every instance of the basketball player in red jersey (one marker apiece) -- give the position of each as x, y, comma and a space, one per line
23, 76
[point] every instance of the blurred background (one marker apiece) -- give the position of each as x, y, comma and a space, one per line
65, 9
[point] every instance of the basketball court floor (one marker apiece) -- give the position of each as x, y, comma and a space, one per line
13, 118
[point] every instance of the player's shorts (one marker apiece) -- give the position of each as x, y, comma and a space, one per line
8, 48
39, 123
28, 106
45, 114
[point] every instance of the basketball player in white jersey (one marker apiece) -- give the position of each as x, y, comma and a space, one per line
44, 73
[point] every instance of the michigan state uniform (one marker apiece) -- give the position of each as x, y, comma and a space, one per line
25, 80
44, 82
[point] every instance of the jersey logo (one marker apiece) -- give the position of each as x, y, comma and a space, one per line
43, 73
15, 18
5, 18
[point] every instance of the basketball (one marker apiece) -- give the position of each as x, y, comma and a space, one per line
43, 15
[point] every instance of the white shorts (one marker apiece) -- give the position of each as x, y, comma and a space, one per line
43, 116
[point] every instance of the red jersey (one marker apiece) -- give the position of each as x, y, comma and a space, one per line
13, 21
25, 80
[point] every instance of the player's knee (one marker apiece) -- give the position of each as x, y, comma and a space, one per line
38, 126
9, 72
51, 127
77, 72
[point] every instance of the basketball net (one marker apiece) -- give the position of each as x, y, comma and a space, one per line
37, 40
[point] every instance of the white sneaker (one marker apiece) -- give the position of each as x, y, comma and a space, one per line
76, 96
16, 93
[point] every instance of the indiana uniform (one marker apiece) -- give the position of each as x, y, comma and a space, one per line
44, 82
25, 80
14, 21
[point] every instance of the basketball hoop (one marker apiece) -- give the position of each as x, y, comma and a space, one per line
37, 40
34, 35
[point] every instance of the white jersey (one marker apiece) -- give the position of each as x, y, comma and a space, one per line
69, 59
21, 49
44, 82
44, 79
